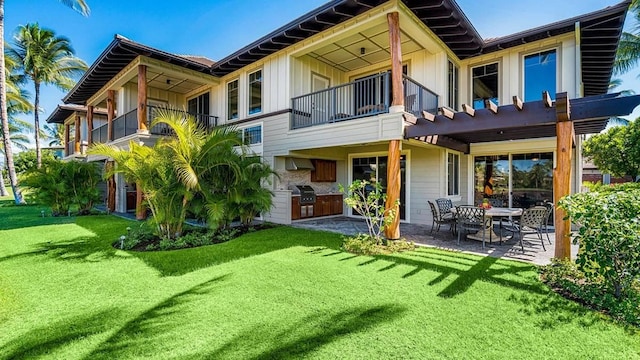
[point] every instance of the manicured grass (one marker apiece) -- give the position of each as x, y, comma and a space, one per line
65, 293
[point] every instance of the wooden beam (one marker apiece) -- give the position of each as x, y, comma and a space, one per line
397, 89
427, 115
111, 110
142, 98
532, 115
517, 102
141, 210
89, 125
563, 107
468, 110
67, 129
76, 140
410, 118
446, 112
491, 106
392, 231
562, 186
546, 99
111, 187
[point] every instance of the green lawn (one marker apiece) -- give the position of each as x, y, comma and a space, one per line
65, 293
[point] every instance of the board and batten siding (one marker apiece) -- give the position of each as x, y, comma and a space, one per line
426, 171
127, 98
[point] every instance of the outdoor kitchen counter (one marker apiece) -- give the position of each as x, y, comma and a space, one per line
326, 204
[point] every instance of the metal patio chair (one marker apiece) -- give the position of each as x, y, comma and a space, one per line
531, 222
471, 218
439, 219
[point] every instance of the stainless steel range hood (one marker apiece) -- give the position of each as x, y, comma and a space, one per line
298, 164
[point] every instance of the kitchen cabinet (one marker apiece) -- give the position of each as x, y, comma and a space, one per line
295, 207
336, 205
325, 171
323, 205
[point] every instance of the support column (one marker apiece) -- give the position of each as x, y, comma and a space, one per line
76, 142
110, 113
89, 125
142, 98
562, 175
141, 211
392, 231
111, 188
67, 129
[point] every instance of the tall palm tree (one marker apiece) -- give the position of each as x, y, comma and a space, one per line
628, 54
46, 59
54, 133
17, 129
78, 5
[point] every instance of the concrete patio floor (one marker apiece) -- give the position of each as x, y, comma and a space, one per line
444, 239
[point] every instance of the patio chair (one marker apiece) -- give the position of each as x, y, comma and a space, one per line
471, 218
531, 222
438, 219
444, 208
549, 206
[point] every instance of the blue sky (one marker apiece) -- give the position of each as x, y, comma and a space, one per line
217, 28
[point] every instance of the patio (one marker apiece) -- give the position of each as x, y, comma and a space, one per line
421, 235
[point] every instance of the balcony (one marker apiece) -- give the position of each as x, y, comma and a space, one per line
127, 124
363, 97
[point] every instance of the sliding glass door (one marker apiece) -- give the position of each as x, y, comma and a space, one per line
517, 180
374, 169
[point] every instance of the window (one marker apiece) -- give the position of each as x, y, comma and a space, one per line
539, 75
453, 174
255, 92
252, 135
199, 107
232, 100
485, 85
453, 86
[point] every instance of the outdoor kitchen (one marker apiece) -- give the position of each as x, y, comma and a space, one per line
313, 186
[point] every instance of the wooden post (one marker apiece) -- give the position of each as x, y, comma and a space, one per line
142, 98
392, 231
66, 139
89, 124
562, 174
76, 142
141, 211
111, 188
111, 94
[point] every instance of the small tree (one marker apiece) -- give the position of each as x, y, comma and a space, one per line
609, 234
368, 200
617, 150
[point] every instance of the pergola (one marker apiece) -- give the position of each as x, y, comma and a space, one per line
562, 118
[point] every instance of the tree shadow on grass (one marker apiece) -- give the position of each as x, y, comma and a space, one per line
139, 332
305, 336
546, 308
54, 336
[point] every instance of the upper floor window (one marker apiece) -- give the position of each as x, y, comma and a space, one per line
255, 92
539, 75
199, 105
232, 100
453, 174
485, 85
453, 86
252, 135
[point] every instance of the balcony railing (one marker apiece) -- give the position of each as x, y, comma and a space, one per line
363, 97
127, 124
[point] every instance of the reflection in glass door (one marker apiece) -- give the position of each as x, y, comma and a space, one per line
374, 169
518, 180
532, 179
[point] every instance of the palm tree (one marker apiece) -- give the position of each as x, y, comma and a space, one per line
46, 59
78, 5
54, 133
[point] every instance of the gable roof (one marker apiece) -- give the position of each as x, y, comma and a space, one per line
120, 52
599, 35
62, 112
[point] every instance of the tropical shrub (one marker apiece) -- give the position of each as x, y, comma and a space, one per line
368, 200
61, 185
247, 198
609, 236
362, 244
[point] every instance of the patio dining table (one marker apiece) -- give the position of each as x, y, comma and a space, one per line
491, 213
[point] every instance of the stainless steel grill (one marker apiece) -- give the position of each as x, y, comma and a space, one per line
306, 192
